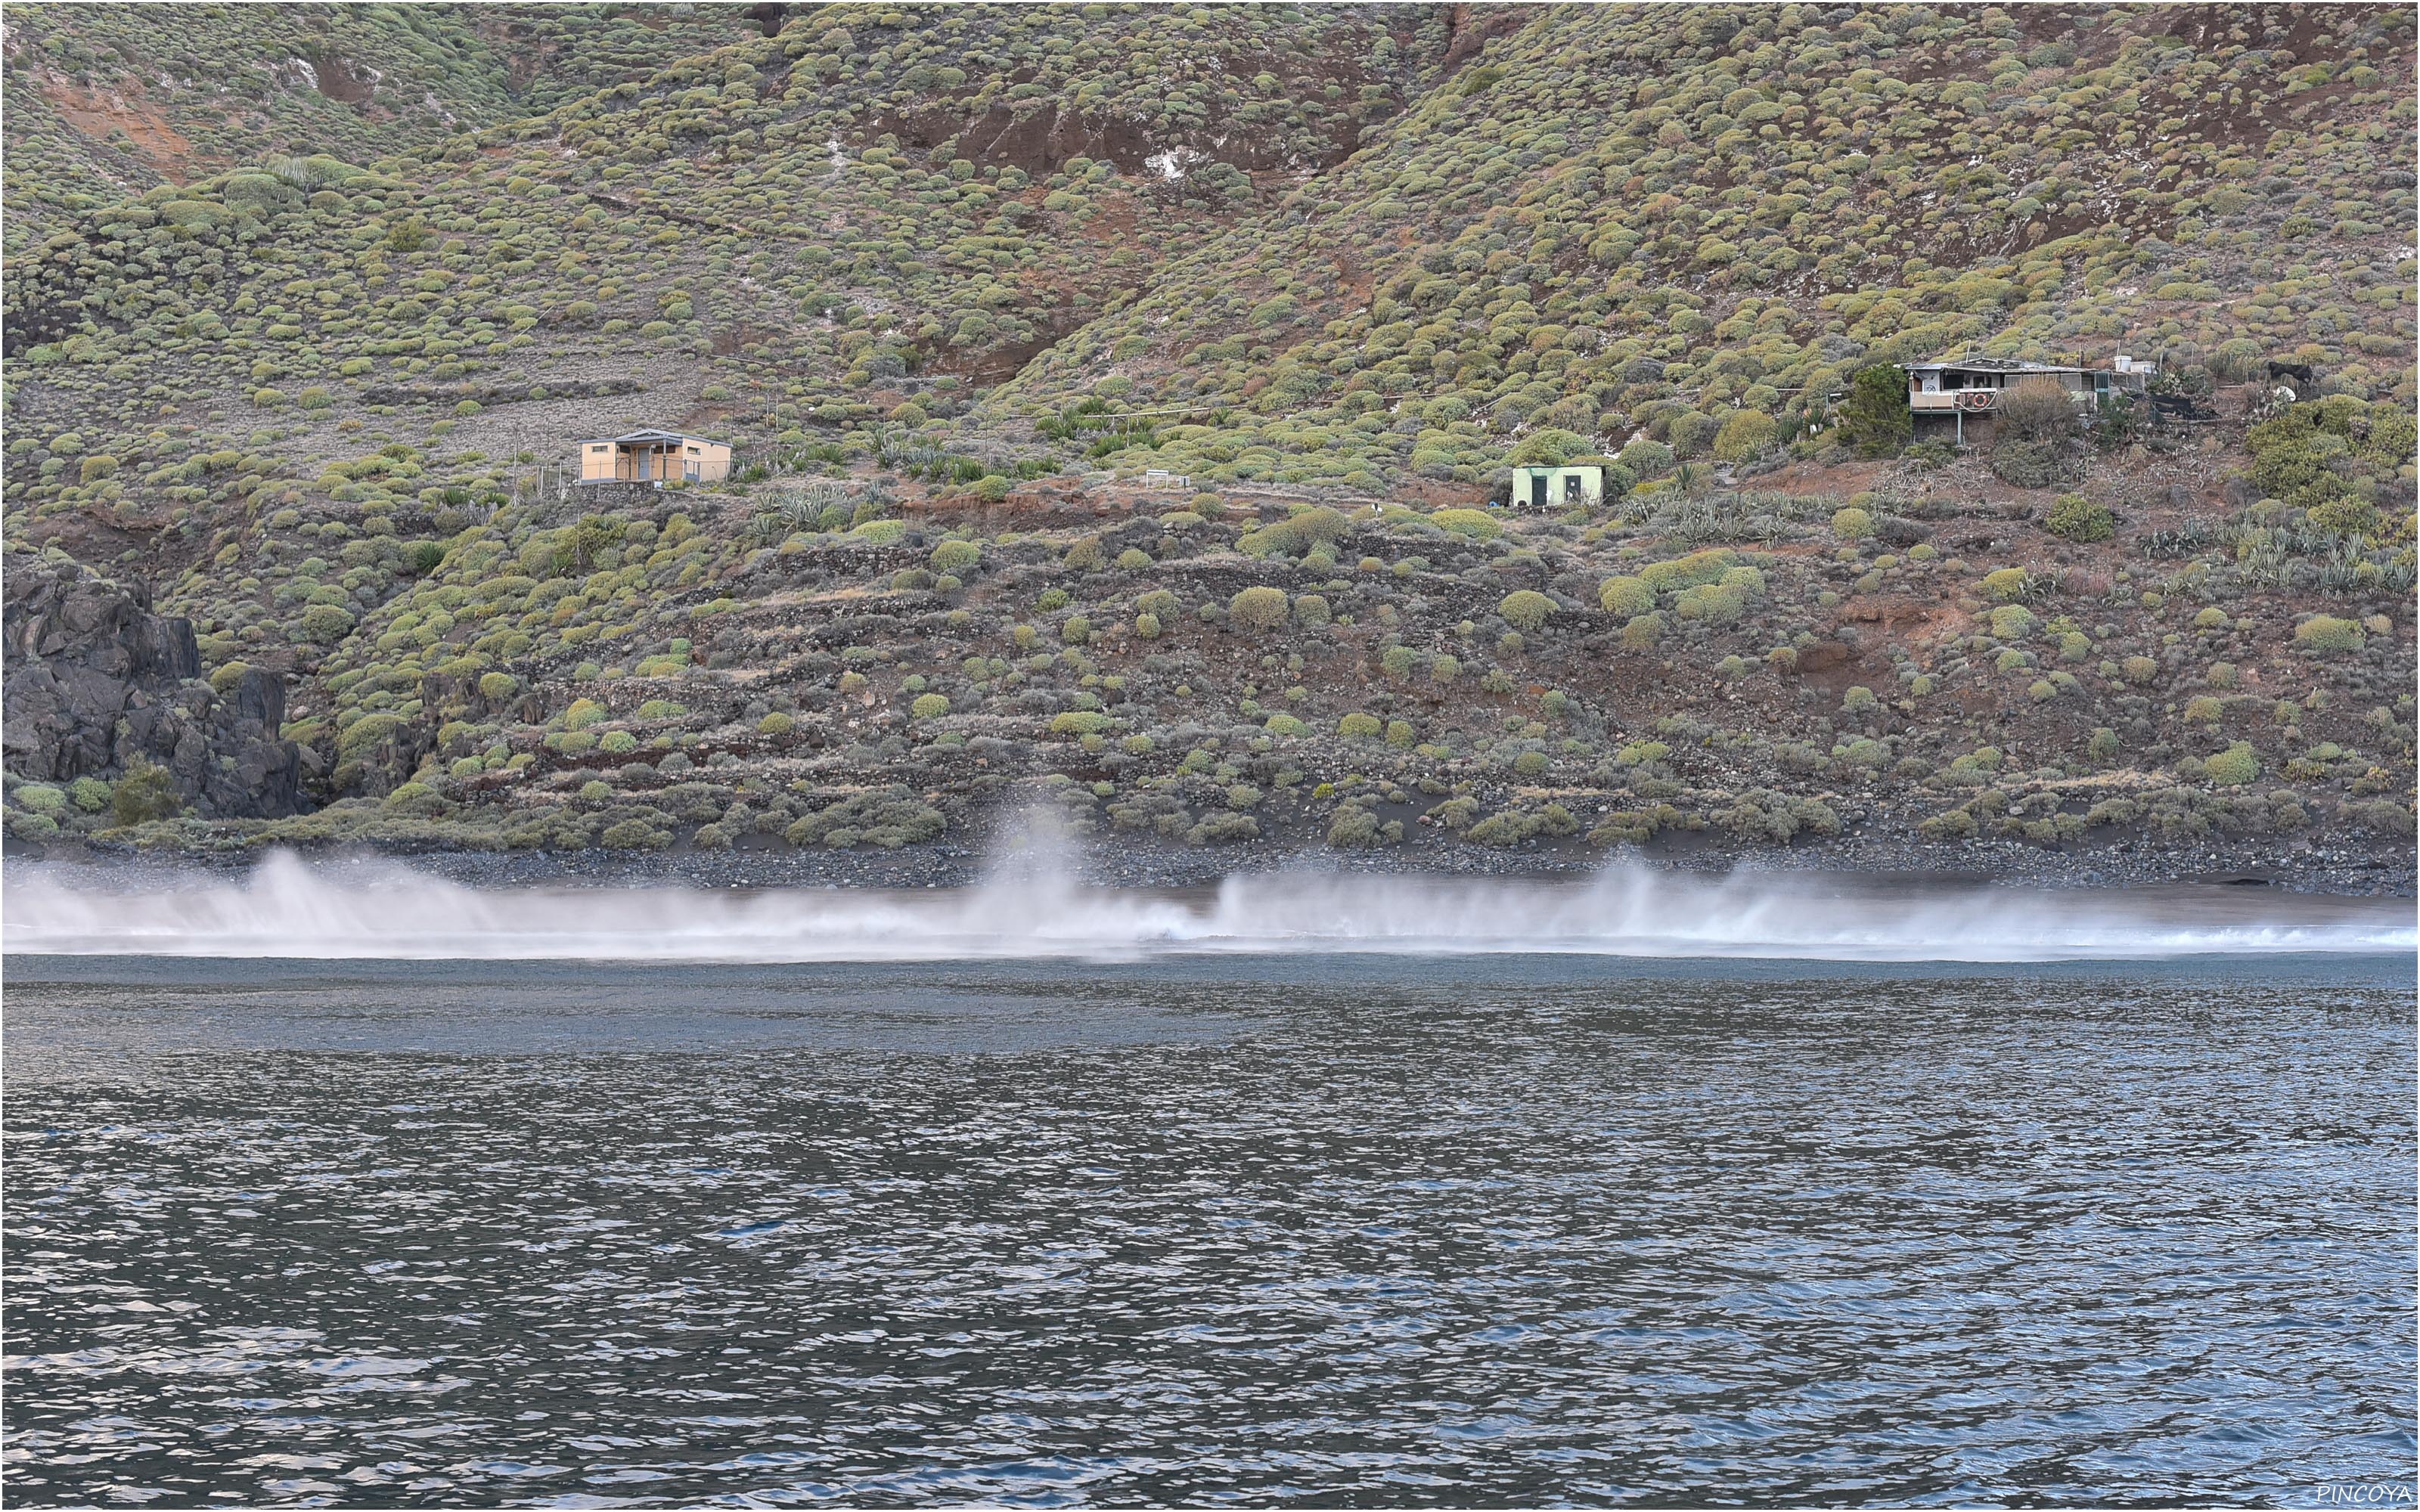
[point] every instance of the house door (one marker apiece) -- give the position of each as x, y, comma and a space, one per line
1572, 489
689, 470
646, 461
1538, 490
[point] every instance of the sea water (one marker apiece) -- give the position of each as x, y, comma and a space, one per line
1294, 1225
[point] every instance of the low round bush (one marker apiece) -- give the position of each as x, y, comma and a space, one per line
1525, 608
955, 557
1258, 608
1359, 727
1625, 596
417, 799
1852, 524
2324, 633
776, 724
326, 623
2232, 767
2075, 518
929, 706
2006, 585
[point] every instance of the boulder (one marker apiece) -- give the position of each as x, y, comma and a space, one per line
96, 683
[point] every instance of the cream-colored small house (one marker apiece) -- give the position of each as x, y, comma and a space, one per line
655, 456
1559, 487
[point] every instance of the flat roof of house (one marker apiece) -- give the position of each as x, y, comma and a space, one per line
1996, 364
646, 435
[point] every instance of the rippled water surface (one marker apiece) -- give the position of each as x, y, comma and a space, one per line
1330, 1230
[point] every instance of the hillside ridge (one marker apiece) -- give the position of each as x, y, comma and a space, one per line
1119, 395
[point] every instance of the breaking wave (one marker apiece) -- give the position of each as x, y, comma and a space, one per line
1031, 908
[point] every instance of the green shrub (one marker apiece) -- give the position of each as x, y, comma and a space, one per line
2035, 410
495, 686
2006, 585
326, 623
91, 794
955, 557
1525, 608
2075, 518
1874, 419
40, 797
2322, 634
1710, 603
1147, 627
618, 743
2012, 622
1285, 724
1258, 608
634, 835
929, 706
1079, 722
1698, 567
1353, 828
2349, 515
145, 793
415, 799
776, 725
1852, 524
1625, 596
2232, 767
1359, 727
1747, 434
1477, 524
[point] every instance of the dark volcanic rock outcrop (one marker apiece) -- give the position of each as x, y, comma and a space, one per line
97, 682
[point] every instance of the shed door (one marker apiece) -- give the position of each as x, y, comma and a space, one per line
1538, 490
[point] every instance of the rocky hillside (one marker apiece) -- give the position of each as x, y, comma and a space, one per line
1119, 392
108, 101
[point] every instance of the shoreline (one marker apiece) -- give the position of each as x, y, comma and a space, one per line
2310, 869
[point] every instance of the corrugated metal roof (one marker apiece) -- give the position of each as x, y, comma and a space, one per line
638, 435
